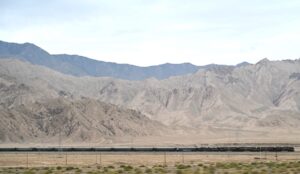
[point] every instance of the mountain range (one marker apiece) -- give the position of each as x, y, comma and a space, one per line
83, 66
41, 101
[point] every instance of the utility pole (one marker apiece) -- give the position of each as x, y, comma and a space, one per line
165, 159
260, 152
27, 159
100, 159
265, 154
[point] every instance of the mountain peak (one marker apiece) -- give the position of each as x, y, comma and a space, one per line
263, 61
243, 64
21, 49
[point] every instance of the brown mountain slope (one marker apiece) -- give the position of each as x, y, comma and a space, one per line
29, 115
258, 100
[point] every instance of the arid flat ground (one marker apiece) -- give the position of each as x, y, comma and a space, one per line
138, 163
150, 162
137, 158
160, 141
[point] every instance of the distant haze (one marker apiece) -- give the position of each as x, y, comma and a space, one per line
154, 32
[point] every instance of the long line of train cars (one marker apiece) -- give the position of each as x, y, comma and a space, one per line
154, 149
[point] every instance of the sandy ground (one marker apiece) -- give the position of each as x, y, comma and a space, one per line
160, 141
134, 158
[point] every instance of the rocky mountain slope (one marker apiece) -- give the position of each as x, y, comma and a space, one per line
260, 100
33, 113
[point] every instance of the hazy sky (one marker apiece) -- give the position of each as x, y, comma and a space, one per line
153, 32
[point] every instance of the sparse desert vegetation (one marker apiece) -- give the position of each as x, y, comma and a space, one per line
205, 168
143, 159
139, 163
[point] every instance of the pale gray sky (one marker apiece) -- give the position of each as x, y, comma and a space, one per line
153, 32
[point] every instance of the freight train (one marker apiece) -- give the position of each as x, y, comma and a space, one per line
154, 149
